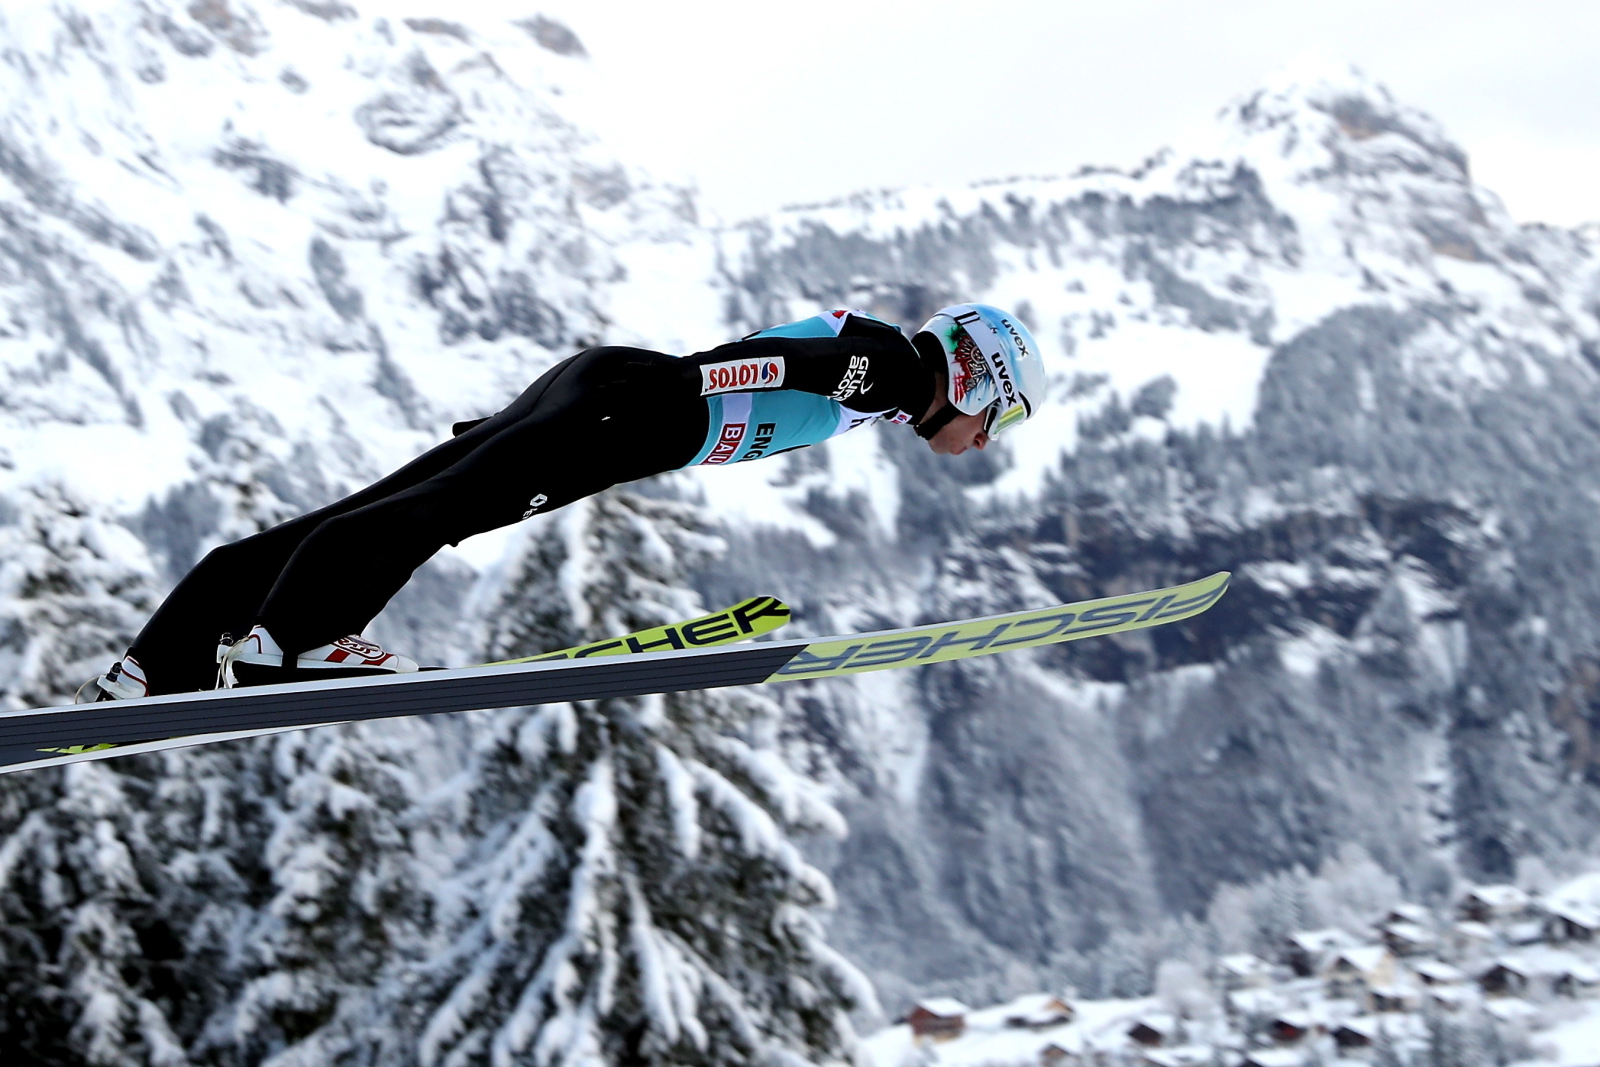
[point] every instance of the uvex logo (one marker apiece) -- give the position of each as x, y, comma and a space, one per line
741, 374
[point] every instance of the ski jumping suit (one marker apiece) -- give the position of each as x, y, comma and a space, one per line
604, 416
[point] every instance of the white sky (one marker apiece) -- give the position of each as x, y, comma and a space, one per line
767, 102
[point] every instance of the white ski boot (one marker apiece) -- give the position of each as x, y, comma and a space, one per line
124, 681
258, 660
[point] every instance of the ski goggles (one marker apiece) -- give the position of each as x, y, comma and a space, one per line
998, 418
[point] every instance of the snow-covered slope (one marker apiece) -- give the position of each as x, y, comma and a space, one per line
1171, 287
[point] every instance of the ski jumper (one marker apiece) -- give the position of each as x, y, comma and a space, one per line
599, 418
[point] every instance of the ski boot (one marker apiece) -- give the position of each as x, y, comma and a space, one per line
258, 660
124, 681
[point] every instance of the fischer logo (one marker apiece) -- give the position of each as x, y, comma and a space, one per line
739, 374
535, 504
854, 377
727, 444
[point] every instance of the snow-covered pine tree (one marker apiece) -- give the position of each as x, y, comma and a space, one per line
119, 892
344, 894
74, 588
633, 896
80, 892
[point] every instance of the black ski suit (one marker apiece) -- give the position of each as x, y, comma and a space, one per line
604, 416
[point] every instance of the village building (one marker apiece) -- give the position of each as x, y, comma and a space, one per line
1506, 977
1038, 1012
1254, 1003
1155, 1030
1353, 973
1470, 938
1571, 922
1243, 971
1449, 997
1436, 972
1512, 1010
1387, 999
1576, 979
1360, 1032
1308, 949
1494, 904
1054, 1055
1406, 913
938, 1019
1405, 938
1291, 1027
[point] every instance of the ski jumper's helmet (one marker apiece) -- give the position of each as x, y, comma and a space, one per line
992, 362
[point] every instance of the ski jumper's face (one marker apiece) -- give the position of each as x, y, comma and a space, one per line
958, 435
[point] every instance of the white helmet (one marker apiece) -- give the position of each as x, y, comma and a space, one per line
993, 364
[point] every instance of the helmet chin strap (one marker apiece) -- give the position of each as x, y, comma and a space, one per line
937, 421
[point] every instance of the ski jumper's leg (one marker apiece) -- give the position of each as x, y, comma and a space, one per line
224, 591
611, 415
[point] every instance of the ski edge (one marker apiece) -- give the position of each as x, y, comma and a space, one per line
144, 748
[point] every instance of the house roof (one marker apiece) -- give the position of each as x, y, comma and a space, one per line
1411, 913
1577, 914
1365, 1025
1319, 940
1580, 972
1182, 1056
943, 1007
1276, 1057
1244, 964
1364, 958
1408, 931
1498, 896
1160, 1021
1511, 1009
1437, 971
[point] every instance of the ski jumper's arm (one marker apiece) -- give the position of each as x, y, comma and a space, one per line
868, 367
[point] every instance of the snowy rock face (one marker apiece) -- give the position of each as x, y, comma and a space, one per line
253, 255
1312, 352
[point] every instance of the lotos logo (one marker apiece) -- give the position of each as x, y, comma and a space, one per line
741, 374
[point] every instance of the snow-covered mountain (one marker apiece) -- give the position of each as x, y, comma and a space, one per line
256, 254
1311, 351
